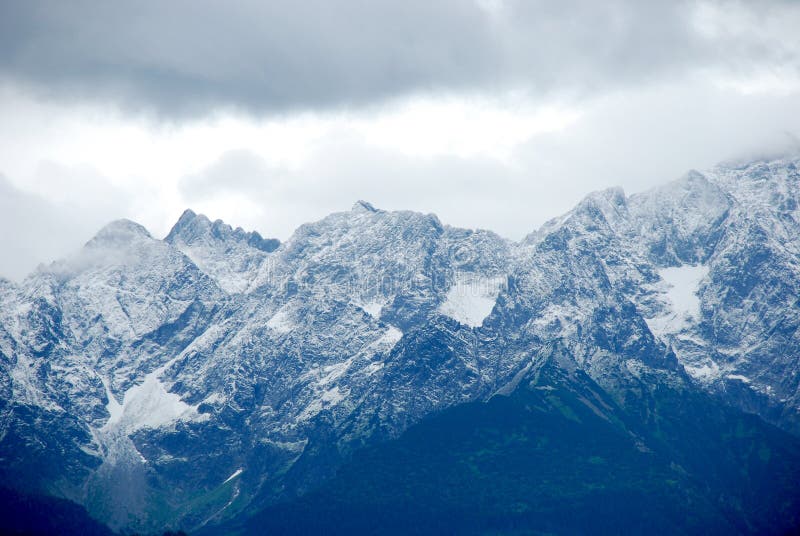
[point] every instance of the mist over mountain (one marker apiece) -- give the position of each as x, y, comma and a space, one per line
634, 363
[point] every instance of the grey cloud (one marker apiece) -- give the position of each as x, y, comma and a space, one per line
186, 57
34, 230
635, 140
344, 169
41, 227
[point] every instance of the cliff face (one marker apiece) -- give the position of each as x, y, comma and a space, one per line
180, 382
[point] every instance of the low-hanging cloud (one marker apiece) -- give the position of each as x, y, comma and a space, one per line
635, 140
495, 113
186, 57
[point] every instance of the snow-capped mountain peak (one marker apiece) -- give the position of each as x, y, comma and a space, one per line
142, 360
120, 233
234, 258
363, 206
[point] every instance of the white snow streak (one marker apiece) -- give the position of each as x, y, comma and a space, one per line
743, 379
114, 408
327, 399
390, 338
234, 475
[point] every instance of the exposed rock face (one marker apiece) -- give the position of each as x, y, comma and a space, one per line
177, 382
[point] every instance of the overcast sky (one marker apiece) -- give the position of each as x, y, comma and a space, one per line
497, 114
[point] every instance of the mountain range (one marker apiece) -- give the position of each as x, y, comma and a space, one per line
632, 365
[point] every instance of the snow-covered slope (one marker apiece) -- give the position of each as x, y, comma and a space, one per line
130, 365
232, 257
679, 292
471, 299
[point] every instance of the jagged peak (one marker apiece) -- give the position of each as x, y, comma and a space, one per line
606, 202
696, 183
189, 216
614, 195
190, 223
693, 183
788, 156
363, 206
694, 176
192, 227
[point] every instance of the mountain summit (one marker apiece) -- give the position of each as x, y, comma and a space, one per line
193, 381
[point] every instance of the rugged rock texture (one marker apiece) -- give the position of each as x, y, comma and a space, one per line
559, 456
183, 382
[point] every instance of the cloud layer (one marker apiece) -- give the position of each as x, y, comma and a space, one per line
491, 113
187, 57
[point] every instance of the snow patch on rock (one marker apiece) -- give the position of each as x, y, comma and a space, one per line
374, 308
705, 372
281, 322
329, 398
739, 377
334, 372
229, 280
114, 408
391, 337
679, 289
471, 298
148, 405
215, 398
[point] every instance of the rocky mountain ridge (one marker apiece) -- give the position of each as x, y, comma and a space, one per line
129, 365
